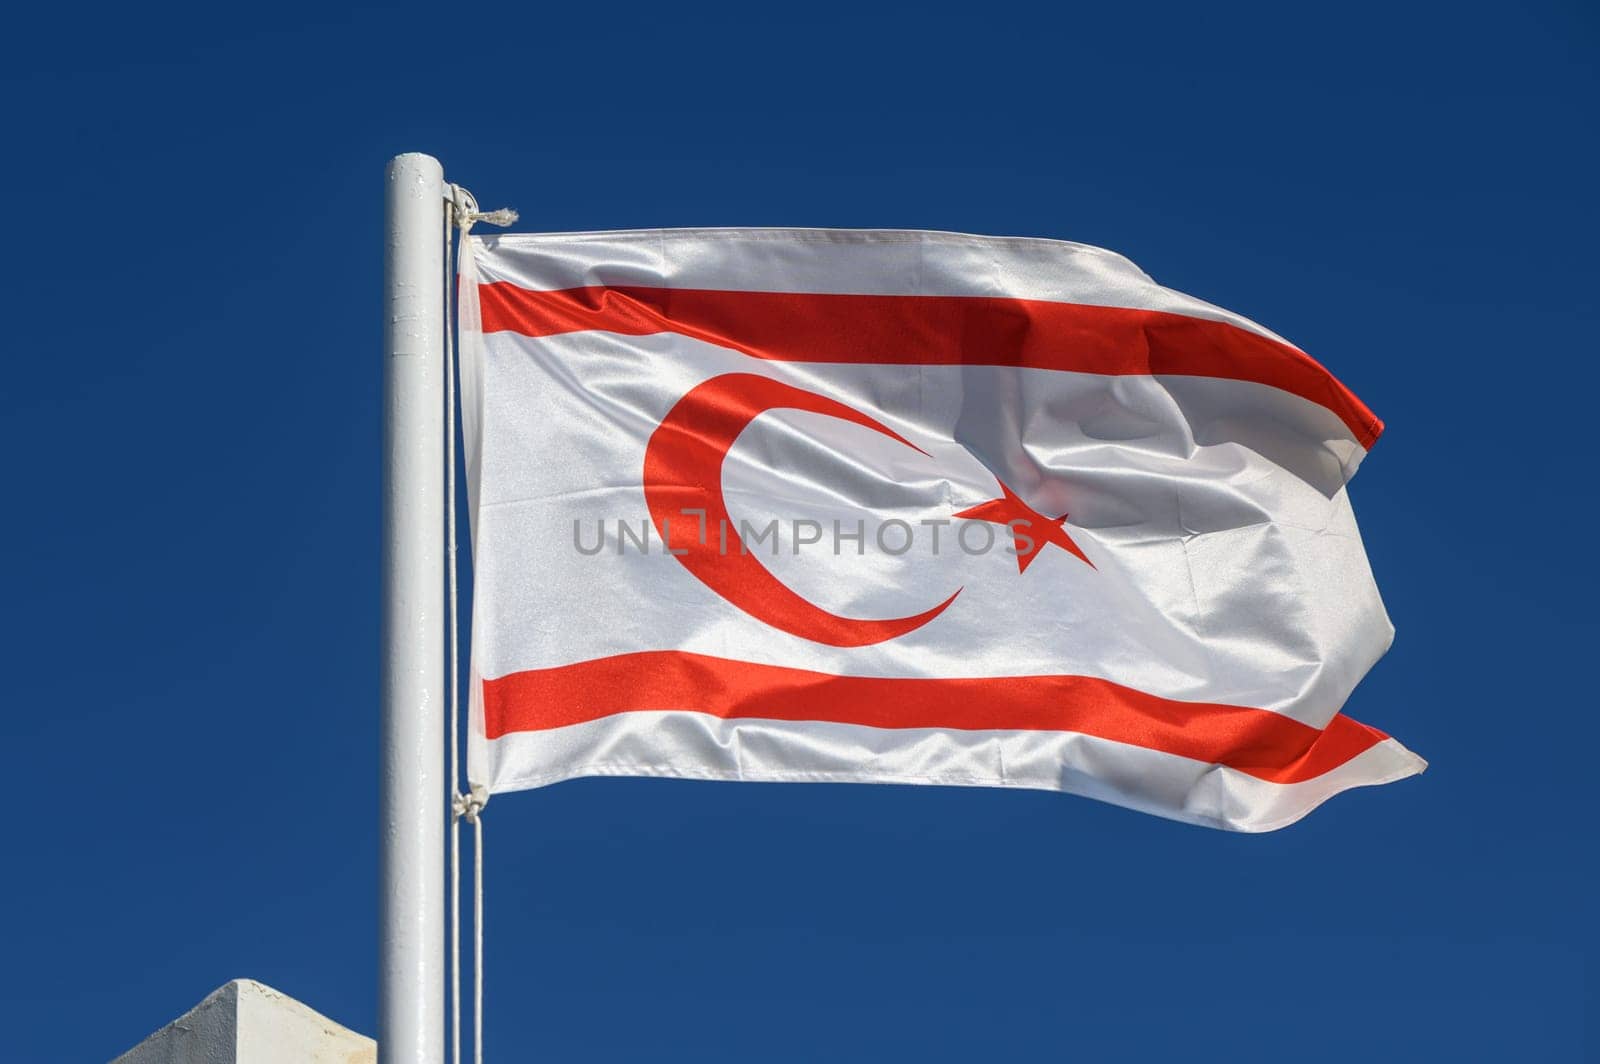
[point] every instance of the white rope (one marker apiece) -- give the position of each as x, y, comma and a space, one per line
467, 213
464, 213
455, 679
477, 936
469, 807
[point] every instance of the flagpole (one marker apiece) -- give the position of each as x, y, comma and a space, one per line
412, 829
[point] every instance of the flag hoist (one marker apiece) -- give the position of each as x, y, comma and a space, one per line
855, 506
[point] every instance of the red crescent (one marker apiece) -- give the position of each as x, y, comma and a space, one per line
683, 471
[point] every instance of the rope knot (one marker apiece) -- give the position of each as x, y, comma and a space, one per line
468, 806
464, 209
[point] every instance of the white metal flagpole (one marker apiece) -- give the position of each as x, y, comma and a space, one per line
411, 1024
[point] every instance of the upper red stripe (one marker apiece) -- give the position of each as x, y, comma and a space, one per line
1261, 743
933, 330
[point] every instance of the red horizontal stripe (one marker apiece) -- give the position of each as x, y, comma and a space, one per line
1261, 743
933, 330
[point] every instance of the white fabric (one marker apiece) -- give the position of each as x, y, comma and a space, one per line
1227, 566
682, 745
866, 262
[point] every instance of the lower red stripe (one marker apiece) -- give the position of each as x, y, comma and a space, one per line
931, 331
1261, 743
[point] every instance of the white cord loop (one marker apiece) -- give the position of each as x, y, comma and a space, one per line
468, 806
467, 214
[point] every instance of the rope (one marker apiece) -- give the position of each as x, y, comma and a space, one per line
477, 935
464, 213
467, 213
469, 807
455, 665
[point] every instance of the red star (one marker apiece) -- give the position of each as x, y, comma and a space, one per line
1030, 527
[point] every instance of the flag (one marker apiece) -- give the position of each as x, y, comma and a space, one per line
907, 507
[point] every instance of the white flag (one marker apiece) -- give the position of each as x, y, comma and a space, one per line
905, 507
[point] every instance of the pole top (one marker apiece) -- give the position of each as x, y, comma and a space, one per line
416, 158
423, 171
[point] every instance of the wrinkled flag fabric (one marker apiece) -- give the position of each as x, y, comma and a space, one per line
907, 507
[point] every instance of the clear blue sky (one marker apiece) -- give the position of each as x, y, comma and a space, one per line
191, 439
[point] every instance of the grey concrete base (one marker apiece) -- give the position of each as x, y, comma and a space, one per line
246, 1022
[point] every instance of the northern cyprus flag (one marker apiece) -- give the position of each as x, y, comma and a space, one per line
906, 507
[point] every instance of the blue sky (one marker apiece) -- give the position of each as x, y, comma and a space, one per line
190, 425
